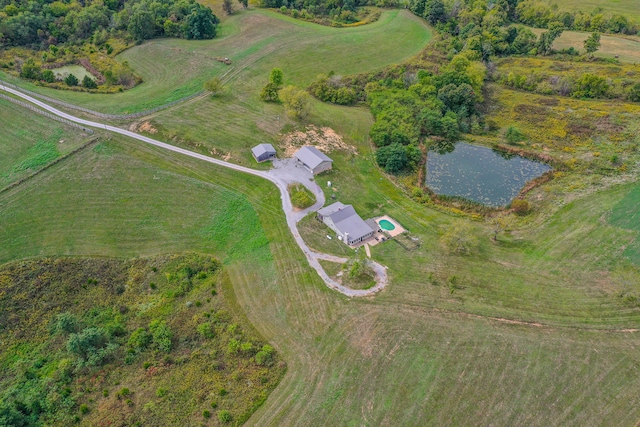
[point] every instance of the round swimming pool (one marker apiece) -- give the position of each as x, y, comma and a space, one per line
386, 225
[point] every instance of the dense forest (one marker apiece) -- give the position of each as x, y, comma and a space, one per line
39, 24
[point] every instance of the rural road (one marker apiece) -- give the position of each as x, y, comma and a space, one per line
292, 216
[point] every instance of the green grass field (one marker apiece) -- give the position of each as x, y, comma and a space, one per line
414, 352
256, 41
538, 329
26, 149
626, 214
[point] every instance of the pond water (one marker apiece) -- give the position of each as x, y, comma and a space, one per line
479, 173
77, 70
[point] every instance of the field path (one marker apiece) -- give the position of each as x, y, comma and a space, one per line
280, 180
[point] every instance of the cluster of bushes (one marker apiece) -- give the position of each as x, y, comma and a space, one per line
39, 24
586, 85
538, 14
332, 12
301, 197
331, 89
426, 104
59, 379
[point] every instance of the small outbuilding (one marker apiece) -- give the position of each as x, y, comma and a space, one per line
263, 152
314, 160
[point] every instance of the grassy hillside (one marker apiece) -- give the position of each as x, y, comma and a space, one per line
255, 41
367, 361
626, 214
538, 328
26, 149
136, 342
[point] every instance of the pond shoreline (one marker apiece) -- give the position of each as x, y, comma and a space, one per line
464, 173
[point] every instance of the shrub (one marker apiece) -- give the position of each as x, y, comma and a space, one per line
590, 86
521, 207
206, 330
139, 340
161, 335
91, 346
48, 76
297, 102
71, 80
214, 86
89, 83
301, 198
224, 416
65, 322
206, 413
634, 93
265, 356
84, 409
270, 93
513, 135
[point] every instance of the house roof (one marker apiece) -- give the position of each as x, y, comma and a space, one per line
261, 149
347, 220
328, 210
311, 156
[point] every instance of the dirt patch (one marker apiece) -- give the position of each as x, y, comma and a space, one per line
143, 127
549, 102
325, 139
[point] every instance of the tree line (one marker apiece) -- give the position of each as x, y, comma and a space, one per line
38, 24
340, 11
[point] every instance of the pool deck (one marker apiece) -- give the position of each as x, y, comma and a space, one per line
396, 231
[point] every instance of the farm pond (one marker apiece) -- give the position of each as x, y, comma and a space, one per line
479, 174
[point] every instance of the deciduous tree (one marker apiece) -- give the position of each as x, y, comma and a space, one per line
592, 43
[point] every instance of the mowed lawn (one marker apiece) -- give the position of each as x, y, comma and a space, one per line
256, 41
393, 359
626, 214
27, 148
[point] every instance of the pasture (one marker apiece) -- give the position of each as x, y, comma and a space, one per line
626, 214
416, 351
36, 142
256, 41
539, 328
421, 349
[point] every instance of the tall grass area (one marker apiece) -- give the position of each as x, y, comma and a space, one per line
628, 8
126, 342
26, 149
255, 41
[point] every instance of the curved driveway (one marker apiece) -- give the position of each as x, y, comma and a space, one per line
292, 216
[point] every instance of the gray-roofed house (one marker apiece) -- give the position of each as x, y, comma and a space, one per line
345, 221
263, 152
313, 159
